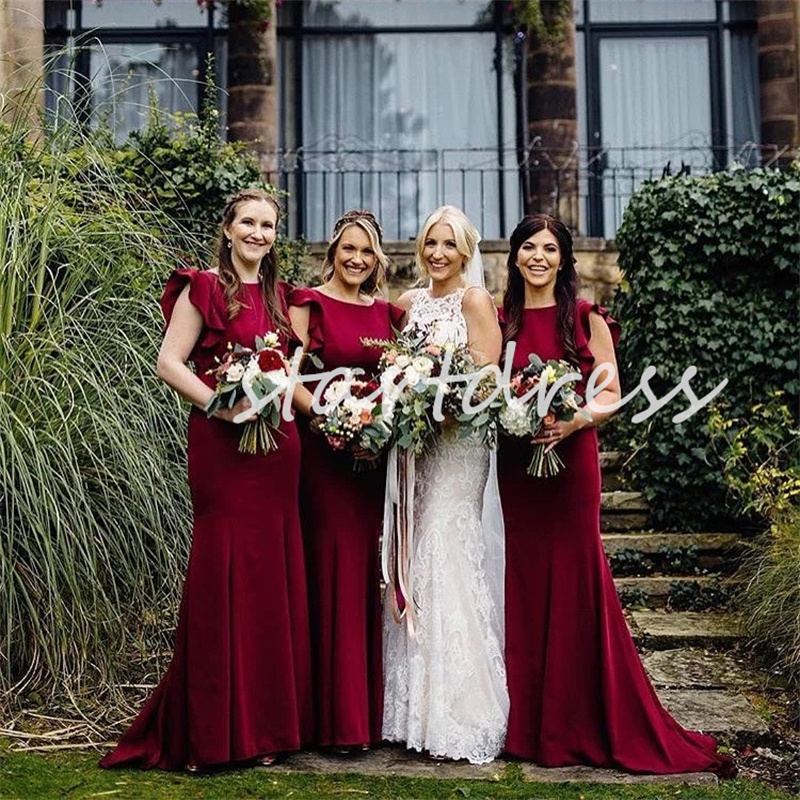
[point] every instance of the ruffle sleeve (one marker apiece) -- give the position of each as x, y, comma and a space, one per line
583, 332
205, 294
303, 296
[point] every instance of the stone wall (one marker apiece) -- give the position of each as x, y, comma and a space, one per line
21, 48
597, 265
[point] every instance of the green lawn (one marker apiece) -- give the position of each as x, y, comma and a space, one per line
76, 775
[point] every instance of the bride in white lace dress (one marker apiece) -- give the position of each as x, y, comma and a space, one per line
445, 685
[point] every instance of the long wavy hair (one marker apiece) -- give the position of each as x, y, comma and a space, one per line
369, 224
235, 298
464, 232
567, 281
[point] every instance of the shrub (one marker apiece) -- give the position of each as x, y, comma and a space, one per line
761, 457
711, 273
178, 164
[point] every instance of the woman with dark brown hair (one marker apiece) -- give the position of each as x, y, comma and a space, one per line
579, 693
239, 685
342, 510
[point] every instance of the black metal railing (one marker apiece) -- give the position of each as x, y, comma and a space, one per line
587, 187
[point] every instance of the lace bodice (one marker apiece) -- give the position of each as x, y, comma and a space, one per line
441, 317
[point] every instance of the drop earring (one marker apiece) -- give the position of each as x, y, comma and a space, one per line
230, 244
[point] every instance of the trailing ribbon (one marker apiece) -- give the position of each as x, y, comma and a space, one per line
398, 536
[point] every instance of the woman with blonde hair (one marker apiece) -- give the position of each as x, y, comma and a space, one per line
445, 687
342, 508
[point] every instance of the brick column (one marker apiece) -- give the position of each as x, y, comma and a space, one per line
21, 56
252, 71
553, 121
779, 71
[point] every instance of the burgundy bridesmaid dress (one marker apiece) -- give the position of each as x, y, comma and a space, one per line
239, 685
342, 516
579, 693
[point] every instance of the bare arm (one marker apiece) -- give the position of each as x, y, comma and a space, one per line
183, 331
483, 330
299, 317
601, 346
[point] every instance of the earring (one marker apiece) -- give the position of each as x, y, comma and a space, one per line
230, 244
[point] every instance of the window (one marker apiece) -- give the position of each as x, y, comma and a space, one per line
658, 91
106, 58
399, 107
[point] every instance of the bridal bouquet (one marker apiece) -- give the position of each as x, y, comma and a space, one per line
352, 418
259, 374
520, 414
412, 372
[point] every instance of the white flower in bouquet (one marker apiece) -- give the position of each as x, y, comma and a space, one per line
355, 405
271, 340
251, 371
514, 417
403, 361
279, 378
423, 365
335, 392
234, 373
412, 376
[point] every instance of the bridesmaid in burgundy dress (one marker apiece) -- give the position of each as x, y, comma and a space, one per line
342, 509
579, 693
239, 685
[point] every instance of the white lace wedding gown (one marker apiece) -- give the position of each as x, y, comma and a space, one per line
445, 689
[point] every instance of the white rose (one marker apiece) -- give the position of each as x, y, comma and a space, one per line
335, 392
402, 361
412, 376
422, 364
234, 373
279, 378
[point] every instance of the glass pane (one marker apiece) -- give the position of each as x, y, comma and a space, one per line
655, 98
142, 14
123, 75
652, 10
743, 90
386, 127
394, 13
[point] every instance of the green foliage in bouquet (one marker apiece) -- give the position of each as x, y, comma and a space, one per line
761, 456
712, 279
93, 504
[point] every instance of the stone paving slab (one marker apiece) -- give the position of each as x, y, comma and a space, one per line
394, 760
713, 711
593, 775
694, 668
660, 630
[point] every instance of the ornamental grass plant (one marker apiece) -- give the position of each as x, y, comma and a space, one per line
761, 457
93, 506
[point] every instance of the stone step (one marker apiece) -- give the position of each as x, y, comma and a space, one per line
651, 542
659, 630
682, 592
722, 713
642, 553
700, 668
610, 468
622, 511
395, 760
